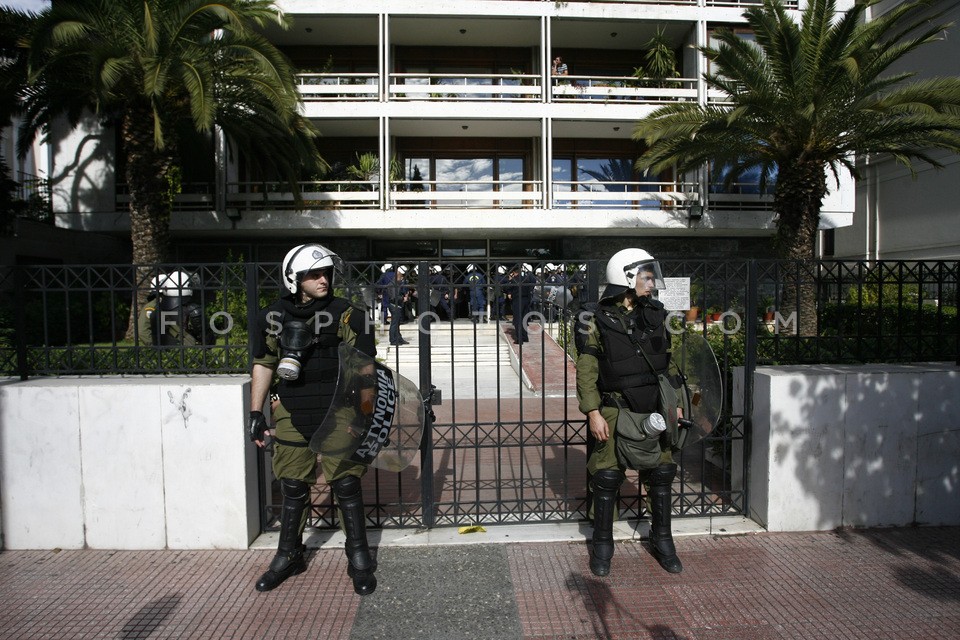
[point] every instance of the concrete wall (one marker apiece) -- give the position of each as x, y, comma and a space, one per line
163, 462
861, 446
127, 463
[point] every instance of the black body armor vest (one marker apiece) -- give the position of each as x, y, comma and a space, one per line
187, 322
309, 396
622, 367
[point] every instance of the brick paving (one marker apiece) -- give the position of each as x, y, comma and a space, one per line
880, 583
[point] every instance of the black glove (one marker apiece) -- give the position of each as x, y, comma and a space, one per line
257, 426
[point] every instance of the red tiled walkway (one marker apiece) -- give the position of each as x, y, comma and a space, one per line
885, 583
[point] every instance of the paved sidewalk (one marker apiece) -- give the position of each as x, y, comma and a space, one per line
881, 583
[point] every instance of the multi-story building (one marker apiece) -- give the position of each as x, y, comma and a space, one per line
449, 135
900, 216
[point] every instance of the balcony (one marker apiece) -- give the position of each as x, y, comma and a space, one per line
495, 87
467, 194
474, 86
338, 86
622, 195
623, 89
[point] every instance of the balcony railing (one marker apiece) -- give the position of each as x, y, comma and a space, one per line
467, 194
623, 89
259, 196
622, 195
339, 86
475, 86
193, 196
495, 87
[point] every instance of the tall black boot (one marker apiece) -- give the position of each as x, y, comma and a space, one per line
606, 483
661, 537
289, 559
361, 565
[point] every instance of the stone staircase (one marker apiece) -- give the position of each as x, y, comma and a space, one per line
480, 361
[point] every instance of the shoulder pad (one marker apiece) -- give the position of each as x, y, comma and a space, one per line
608, 319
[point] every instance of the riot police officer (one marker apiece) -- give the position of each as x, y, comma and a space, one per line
171, 317
520, 288
297, 337
623, 346
396, 293
476, 283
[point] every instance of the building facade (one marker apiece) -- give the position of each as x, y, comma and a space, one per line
900, 216
452, 133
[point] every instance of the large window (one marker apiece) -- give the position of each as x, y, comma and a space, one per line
479, 172
598, 174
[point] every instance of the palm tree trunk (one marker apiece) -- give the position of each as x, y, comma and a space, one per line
797, 200
147, 172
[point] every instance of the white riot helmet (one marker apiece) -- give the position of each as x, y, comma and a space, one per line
624, 267
304, 258
526, 268
402, 269
386, 267
178, 284
471, 267
436, 269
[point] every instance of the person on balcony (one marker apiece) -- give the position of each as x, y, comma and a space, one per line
559, 68
623, 347
297, 338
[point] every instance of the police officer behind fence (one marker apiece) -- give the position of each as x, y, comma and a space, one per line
623, 345
297, 337
171, 317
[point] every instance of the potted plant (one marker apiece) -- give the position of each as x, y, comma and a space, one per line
696, 293
767, 309
659, 62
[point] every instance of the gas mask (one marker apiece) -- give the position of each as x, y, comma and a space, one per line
295, 339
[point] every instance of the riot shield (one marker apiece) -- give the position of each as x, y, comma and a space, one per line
376, 416
702, 387
369, 294
560, 296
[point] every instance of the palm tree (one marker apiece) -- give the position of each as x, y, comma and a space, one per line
809, 97
13, 78
160, 70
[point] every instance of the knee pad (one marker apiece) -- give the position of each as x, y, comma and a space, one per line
608, 479
294, 489
346, 487
663, 475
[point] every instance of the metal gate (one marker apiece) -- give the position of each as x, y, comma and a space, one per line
508, 443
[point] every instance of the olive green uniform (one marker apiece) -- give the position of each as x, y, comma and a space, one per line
300, 462
589, 397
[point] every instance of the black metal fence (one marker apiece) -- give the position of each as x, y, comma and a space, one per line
508, 443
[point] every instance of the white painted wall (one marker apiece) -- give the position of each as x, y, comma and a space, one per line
861, 446
127, 463
154, 462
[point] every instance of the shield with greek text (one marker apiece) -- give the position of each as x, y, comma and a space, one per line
376, 417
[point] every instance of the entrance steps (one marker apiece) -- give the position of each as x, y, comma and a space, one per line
480, 360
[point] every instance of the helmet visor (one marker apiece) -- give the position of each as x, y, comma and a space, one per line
644, 270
